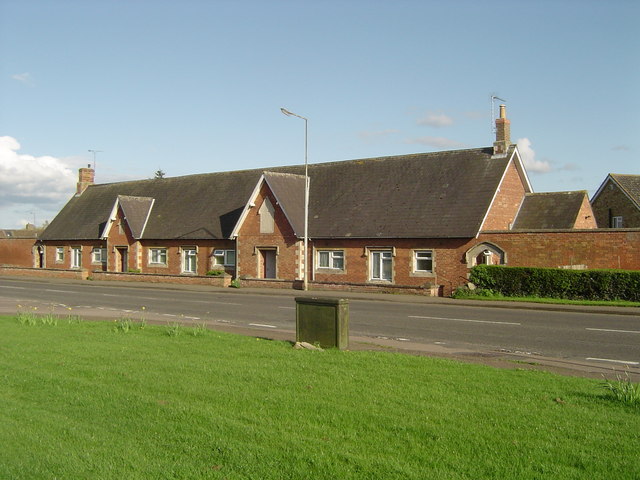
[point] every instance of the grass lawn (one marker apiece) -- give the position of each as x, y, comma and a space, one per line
89, 400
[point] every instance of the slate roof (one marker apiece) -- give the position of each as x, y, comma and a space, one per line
630, 184
427, 195
136, 211
548, 211
289, 191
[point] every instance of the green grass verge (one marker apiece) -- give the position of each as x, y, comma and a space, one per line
95, 400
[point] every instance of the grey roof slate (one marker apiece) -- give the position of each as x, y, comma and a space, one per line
136, 211
548, 211
289, 190
427, 195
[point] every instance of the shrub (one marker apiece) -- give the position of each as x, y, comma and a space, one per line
215, 273
558, 283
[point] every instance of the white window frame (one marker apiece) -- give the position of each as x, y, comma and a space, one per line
189, 260
378, 258
334, 259
158, 256
59, 254
422, 255
99, 255
617, 221
226, 258
76, 257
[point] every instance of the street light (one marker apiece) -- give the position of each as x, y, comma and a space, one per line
305, 279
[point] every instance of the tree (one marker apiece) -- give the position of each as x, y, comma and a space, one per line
159, 173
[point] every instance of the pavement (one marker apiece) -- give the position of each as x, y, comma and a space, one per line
502, 359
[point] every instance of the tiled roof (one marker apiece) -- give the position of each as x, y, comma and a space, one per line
547, 211
289, 190
429, 195
630, 184
136, 211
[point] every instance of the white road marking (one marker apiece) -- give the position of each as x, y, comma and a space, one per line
466, 320
611, 330
400, 339
109, 295
193, 318
168, 315
262, 325
58, 291
10, 286
288, 308
625, 362
214, 302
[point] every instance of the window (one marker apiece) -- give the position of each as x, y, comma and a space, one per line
59, 254
616, 222
267, 219
331, 259
224, 257
158, 256
381, 265
189, 260
76, 257
423, 261
99, 255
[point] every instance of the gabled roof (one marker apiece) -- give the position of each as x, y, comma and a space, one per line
136, 212
289, 192
629, 184
549, 211
427, 195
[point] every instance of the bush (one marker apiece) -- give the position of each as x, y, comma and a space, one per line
215, 273
558, 283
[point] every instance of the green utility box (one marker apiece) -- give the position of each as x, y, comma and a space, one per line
323, 321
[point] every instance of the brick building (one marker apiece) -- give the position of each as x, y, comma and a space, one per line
616, 203
411, 223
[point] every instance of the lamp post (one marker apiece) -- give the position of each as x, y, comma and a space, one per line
305, 279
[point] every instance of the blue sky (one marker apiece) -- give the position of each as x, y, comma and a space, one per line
196, 86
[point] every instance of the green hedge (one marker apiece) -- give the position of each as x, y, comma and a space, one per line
558, 283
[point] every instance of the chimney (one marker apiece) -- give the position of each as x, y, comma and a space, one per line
85, 178
503, 133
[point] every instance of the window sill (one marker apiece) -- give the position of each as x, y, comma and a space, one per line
331, 271
422, 274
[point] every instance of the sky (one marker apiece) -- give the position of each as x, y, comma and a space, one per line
195, 86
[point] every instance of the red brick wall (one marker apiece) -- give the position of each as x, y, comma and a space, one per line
611, 197
448, 260
204, 261
17, 252
507, 201
86, 249
120, 237
598, 248
44, 272
282, 238
586, 217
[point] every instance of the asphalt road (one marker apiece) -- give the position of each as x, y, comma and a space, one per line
572, 336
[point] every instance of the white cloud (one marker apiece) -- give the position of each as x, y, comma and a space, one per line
29, 183
437, 120
529, 157
437, 142
622, 148
25, 78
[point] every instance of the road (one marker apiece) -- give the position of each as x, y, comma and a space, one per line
599, 338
